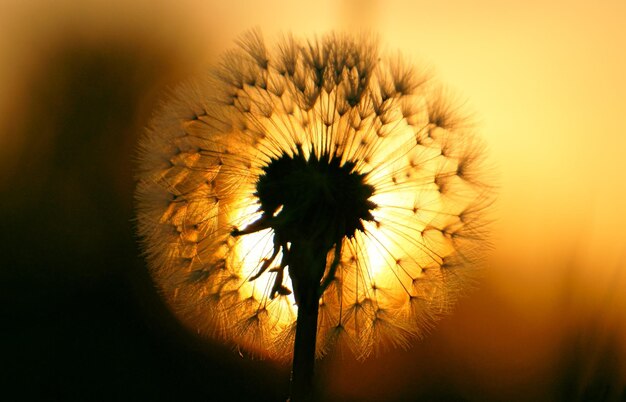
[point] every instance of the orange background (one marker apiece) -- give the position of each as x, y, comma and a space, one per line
546, 81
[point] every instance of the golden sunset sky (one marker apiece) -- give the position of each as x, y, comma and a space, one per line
545, 83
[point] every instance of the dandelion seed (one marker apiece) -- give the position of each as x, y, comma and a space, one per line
317, 178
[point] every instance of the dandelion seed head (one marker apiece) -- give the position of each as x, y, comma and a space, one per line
326, 141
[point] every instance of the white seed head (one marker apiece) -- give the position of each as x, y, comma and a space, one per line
207, 146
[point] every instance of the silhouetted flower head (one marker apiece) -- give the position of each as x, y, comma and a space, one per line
325, 141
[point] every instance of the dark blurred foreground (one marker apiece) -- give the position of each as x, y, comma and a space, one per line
81, 319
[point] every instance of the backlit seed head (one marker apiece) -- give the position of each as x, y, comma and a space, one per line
325, 142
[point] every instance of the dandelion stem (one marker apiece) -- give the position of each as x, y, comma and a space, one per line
307, 265
304, 348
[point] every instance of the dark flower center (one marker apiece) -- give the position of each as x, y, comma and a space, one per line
316, 200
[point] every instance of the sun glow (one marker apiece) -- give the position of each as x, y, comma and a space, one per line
390, 261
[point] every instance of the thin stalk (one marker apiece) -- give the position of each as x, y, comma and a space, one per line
304, 348
308, 263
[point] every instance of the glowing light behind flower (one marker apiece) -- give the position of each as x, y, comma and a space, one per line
209, 145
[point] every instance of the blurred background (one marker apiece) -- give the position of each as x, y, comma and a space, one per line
80, 317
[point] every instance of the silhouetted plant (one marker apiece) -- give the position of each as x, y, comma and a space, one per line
346, 167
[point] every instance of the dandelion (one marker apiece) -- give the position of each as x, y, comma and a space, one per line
317, 194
